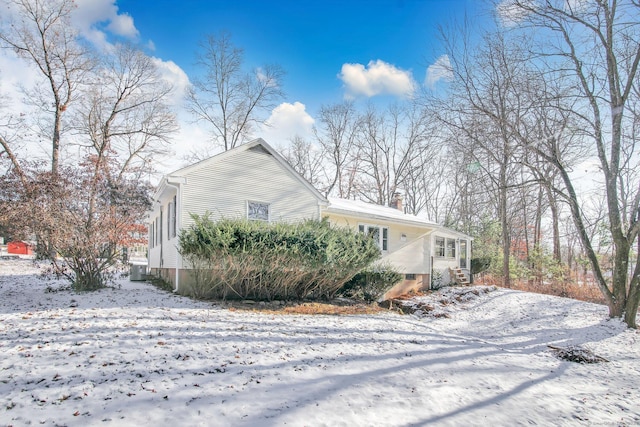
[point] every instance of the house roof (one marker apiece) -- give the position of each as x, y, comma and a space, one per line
179, 175
371, 211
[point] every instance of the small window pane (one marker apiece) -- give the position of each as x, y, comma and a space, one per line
169, 214
258, 211
439, 249
374, 233
175, 215
385, 238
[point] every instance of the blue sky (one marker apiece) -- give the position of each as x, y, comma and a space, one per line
376, 50
311, 40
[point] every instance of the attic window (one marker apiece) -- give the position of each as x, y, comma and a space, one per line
257, 211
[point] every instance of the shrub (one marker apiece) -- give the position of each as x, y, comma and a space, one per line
251, 259
79, 216
371, 283
479, 265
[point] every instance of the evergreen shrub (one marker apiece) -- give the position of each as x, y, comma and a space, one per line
371, 283
243, 259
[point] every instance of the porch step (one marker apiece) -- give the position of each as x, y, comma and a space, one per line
458, 276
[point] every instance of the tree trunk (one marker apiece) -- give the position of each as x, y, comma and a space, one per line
506, 238
631, 309
555, 223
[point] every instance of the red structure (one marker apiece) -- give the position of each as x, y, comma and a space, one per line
20, 248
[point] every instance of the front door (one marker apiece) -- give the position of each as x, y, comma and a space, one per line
463, 254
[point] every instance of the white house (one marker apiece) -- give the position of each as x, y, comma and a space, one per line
253, 181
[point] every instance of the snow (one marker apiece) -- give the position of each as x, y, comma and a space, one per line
372, 210
135, 355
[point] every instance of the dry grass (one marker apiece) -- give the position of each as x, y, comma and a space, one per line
336, 309
586, 292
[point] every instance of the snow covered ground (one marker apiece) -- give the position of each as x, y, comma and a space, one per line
139, 356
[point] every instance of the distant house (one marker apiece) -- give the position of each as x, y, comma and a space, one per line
19, 248
253, 181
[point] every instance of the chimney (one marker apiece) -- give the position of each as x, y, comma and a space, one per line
396, 202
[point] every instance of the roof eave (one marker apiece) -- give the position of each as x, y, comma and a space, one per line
364, 215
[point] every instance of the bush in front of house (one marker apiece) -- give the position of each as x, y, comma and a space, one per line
371, 283
242, 259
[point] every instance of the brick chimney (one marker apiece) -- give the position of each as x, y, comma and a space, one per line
396, 202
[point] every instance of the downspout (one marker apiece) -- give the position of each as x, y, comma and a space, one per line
178, 215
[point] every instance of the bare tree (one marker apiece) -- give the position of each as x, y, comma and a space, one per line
84, 212
40, 32
388, 145
306, 159
126, 121
594, 48
340, 125
226, 97
125, 115
10, 137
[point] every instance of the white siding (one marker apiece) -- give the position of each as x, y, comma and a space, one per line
164, 255
408, 255
224, 187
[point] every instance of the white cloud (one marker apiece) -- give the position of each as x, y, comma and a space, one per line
286, 121
176, 77
377, 78
123, 26
90, 13
439, 70
15, 73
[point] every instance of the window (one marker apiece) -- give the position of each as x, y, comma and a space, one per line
152, 235
379, 234
169, 213
257, 211
171, 218
451, 248
445, 247
463, 254
174, 228
410, 277
439, 249
385, 238
160, 228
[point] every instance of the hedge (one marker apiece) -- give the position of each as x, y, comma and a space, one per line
256, 260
